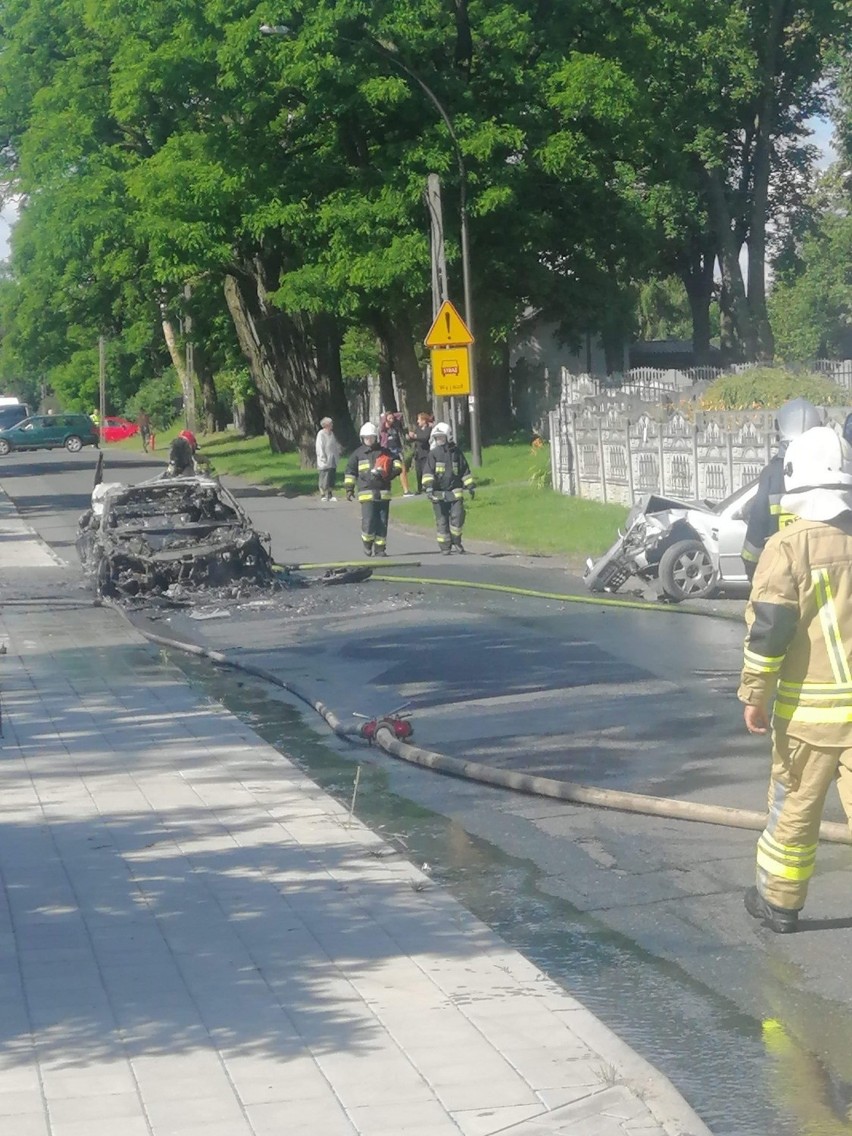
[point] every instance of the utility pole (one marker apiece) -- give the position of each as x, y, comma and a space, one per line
440, 288
101, 381
189, 392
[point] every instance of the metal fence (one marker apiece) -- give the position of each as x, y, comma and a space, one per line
616, 445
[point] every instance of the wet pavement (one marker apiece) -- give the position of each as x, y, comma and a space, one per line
199, 941
647, 912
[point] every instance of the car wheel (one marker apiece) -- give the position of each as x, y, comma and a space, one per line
73, 444
686, 571
4, 447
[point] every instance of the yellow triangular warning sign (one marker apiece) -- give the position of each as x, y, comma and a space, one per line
449, 329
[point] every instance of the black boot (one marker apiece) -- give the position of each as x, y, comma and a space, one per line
368, 550
380, 550
781, 920
459, 547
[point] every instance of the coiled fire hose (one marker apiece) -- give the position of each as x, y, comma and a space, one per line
389, 735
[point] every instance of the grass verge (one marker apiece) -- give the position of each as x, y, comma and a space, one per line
513, 506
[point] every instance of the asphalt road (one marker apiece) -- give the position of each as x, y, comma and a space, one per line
616, 697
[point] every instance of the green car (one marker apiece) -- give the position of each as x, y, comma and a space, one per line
48, 432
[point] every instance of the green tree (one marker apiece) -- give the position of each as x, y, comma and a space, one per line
811, 307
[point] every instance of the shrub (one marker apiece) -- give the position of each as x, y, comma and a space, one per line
761, 388
157, 398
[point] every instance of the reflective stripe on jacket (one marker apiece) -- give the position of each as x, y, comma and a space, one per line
446, 472
799, 639
765, 516
359, 473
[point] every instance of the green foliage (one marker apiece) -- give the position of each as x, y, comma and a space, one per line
812, 308
663, 310
235, 383
155, 145
770, 387
359, 355
157, 397
541, 472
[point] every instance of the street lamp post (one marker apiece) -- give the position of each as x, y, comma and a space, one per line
388, 54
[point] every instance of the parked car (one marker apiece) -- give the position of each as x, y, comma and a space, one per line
49, 431
117, 429
692, 548
11, 413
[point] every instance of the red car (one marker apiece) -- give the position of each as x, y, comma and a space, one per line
117, 429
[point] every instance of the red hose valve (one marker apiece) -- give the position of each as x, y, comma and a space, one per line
401, 728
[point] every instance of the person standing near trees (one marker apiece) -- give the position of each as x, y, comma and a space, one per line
143, 421
420, 436
446, 475
328, 455
392, 437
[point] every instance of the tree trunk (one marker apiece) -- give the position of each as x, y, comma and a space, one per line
761, 169
396, 335
729, 264
207, 386
728, 341
282, 360
327, 336
697, 278
179, 364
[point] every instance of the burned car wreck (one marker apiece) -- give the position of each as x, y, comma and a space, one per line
142, 540
691, 549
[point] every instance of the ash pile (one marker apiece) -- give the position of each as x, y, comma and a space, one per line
176, 538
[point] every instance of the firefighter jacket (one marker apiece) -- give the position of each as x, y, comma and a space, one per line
799, 639
765, 516
370, 471
181, 461
446, 472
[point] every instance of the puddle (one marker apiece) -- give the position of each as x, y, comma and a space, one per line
722, 1061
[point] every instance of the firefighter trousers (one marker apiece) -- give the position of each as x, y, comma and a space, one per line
786, 851
374, 523
449, 521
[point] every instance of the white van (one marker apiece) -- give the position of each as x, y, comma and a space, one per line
12, 412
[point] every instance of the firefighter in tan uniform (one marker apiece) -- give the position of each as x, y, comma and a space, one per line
797, 651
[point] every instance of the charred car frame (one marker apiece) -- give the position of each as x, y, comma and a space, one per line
143, 539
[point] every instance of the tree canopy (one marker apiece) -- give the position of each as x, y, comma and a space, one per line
175, 164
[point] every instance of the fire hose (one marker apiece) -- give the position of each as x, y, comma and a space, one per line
390, 733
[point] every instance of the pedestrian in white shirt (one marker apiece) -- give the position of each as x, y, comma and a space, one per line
328, 453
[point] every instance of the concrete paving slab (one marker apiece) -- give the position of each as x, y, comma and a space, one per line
236, 958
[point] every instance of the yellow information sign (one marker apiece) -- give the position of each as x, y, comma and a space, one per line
449, 329
450, 371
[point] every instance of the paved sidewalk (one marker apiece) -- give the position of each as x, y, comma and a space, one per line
196, 941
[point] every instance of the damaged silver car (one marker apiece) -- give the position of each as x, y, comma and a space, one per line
142, 540
692, 549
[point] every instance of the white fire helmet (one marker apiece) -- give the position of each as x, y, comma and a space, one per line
818, 475
818, 459
795, 417
368, 430
441, 428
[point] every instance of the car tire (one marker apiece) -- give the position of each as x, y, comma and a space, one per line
5, 447
73, 444
686, 571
